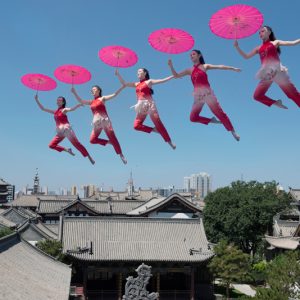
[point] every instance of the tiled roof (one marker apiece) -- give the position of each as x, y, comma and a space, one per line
295, 193
2, 182
136, 239
284, 228
26, 201
100, 206
283, 242
140, 194
53, 227
40, 228
58, 197
15, 216
31, 274
155, 203
7, 222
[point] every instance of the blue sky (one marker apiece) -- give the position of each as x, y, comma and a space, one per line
38, 36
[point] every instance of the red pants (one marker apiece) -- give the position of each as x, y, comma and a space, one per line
70, 135
153, 113
111, 137
283, 80
207, 96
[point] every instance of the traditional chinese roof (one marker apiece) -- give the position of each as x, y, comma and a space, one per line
119, 207
282, 228
15, 216
7, 223
159, 203
2, 182
288, 243
295, 193
26, 201
142, 195
32, 231
136, 239
31, 274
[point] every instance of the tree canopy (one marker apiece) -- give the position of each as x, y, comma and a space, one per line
283, 278
229, 264
243, 212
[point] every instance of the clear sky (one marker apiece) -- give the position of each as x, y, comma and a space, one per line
38, 36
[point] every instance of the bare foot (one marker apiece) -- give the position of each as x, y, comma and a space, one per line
279, 104
235, 135
173, 146
69, 150
214, 120
91, 160
124, 160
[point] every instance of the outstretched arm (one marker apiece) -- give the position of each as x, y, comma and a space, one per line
123, 82
220, 67
244, 54
286, 43
83, 102
175, 74
67, 109
36, 97
158, 81
108, 97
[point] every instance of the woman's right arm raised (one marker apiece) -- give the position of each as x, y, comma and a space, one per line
36, 97
84, 102
175, 74
244, 54
123, 82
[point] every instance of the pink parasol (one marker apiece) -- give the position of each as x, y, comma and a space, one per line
118, 56
39, 82
171, 40
72, 74
236, 21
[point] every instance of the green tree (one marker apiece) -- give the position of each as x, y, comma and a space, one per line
51, 247
229, 264
243, 212
5, 231
283, 278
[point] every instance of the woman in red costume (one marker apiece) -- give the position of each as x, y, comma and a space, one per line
63, 128
271, 69
101, 119
146, 105
203, 92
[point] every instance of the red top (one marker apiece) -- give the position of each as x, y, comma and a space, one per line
142, 90
199, 77
98, 107
268, 52
60, 118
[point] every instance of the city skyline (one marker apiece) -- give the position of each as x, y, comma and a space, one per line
35, 42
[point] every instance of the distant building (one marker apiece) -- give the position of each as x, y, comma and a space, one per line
11, 192
3, 191
89, 190
74, 190
198, 184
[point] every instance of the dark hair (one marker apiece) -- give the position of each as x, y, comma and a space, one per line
272, 37
64, 101
99, 89
201, 59
147, 76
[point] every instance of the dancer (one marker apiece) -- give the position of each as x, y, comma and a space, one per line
101, 119
203, 92
146, 105
271, 69
63, 128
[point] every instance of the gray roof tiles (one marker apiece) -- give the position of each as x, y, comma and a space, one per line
100, 206
31, 274
136, 239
